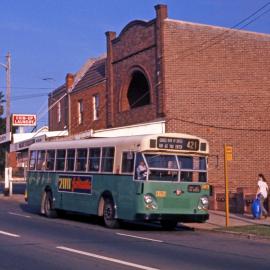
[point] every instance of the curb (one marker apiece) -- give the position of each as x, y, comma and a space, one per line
236, 234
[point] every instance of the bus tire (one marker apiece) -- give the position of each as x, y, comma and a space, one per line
48, 205
168, 224
109, 214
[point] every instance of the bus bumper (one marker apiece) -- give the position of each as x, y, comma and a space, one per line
179, 217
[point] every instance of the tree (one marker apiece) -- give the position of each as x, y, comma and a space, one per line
2, 131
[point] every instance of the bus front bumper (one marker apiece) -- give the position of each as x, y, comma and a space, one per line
178, 217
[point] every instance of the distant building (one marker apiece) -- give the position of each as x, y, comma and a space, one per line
204, 80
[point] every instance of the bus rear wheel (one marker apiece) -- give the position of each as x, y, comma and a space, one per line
168, 224
48, 205
109, 214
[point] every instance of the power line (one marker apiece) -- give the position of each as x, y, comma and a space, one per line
32, 88
216, 39
28, 96
216, 126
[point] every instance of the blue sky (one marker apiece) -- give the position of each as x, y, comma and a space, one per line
49, 38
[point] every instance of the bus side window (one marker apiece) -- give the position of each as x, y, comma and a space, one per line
81, 159
107, 159
32, 162
60, 160
70, 159
50, 160
41, 160
127, 162
138, 174
94, 159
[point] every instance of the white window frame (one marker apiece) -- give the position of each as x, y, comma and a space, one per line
95, 102
59, 116
80, 111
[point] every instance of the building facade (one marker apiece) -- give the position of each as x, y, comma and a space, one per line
204, 80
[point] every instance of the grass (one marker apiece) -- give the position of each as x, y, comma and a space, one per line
260, 230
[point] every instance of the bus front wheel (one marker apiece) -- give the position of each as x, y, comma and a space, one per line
48, 205
109, 214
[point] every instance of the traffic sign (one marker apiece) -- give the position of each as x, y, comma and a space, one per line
229, 153
20, 120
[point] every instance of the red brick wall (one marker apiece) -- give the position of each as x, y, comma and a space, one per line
53, 112
86, 95
134, 49
220, 93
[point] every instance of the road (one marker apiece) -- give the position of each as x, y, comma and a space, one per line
30, 241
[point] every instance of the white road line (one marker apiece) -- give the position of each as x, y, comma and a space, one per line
20, 215
139, 266
9, 234
139, 237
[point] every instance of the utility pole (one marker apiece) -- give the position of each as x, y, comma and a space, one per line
8, 129
8, 92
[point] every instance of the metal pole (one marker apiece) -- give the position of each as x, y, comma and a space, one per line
7, 67
226, 186
8, 92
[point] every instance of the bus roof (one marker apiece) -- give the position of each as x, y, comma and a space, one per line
135, 143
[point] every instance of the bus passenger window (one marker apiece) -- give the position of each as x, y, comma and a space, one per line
81, 159
50, 160
107, 159
94, 159
60, 160
41, 160
32, 162
127, 162
70, 159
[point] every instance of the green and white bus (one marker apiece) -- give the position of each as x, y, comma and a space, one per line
99, 176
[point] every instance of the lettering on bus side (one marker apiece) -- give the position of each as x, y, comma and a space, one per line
75, 184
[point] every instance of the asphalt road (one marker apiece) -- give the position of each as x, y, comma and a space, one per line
30, 241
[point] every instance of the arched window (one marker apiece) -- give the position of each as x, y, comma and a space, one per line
138, 93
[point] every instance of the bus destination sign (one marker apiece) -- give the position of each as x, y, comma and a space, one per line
178, 143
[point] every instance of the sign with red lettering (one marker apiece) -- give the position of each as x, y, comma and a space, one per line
77, 184
19, 120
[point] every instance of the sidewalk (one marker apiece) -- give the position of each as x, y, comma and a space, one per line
217, 220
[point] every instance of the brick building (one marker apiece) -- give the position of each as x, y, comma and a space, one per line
204, 80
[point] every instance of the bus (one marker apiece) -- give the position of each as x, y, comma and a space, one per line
101, 176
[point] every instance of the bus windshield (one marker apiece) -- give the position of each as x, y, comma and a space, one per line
176, 168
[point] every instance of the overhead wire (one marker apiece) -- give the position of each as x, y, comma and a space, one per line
217, 39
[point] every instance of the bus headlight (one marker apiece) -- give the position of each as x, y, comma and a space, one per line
150, 201
204, 202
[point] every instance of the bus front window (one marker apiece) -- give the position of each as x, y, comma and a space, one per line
193, 168
162, 167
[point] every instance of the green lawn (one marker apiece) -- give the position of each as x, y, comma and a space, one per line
261, 230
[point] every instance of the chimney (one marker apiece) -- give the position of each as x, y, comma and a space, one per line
161, 12
69, 81
109, 80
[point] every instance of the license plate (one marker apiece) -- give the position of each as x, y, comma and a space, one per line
194, 188
161, 194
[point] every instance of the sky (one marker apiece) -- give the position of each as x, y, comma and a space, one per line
49, 38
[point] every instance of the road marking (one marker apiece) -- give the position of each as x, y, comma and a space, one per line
139, 237
9, 234
20, 215
106, 258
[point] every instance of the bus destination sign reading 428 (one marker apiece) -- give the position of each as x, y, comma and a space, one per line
177, 143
